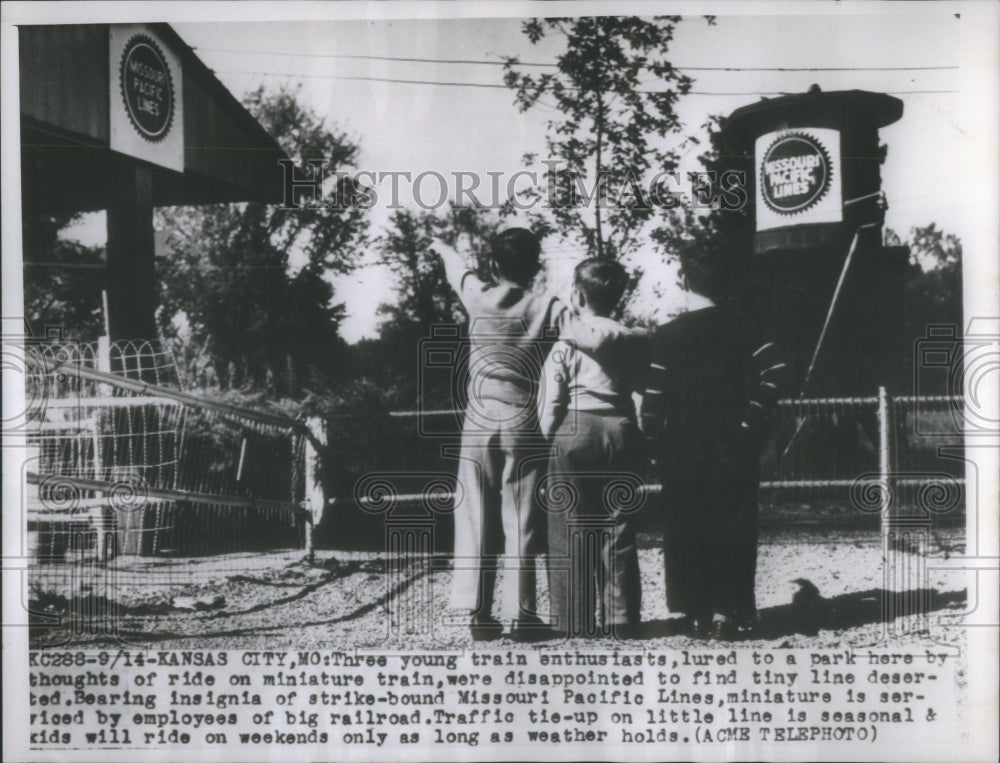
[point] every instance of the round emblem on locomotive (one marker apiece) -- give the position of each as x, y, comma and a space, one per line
794, 173
147, 88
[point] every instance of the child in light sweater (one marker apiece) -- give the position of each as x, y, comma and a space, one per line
586, 409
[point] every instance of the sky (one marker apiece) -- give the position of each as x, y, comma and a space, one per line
448, 128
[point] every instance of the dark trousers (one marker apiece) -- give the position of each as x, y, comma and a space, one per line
710, 513
592, 545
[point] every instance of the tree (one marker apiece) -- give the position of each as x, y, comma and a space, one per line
615, 94
932, 294
424, 296
62, 279
711, 241
934, 277
228, 289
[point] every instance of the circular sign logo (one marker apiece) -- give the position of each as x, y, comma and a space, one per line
147, 88
794, 173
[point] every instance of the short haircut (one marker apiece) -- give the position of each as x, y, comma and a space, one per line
602, 281
516, 252
707, 272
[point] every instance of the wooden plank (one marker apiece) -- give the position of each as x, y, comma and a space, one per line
108, 402
121, 382
78, 506
79, 426
166, 494
131, 273
223, 149
64, 77
315, 499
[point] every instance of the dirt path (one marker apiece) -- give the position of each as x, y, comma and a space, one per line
349, 600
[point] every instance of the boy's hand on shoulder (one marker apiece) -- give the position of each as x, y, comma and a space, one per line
594, 333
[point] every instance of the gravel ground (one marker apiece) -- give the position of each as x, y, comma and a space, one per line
345, 600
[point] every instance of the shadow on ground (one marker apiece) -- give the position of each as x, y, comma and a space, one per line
809, 612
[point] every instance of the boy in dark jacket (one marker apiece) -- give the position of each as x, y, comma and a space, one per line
711, 387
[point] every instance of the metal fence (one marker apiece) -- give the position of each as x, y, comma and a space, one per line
891, 464
846, 451
129, 470
123, 466
838, 460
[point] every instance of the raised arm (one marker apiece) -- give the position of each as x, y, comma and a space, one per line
586, 335
460, 276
